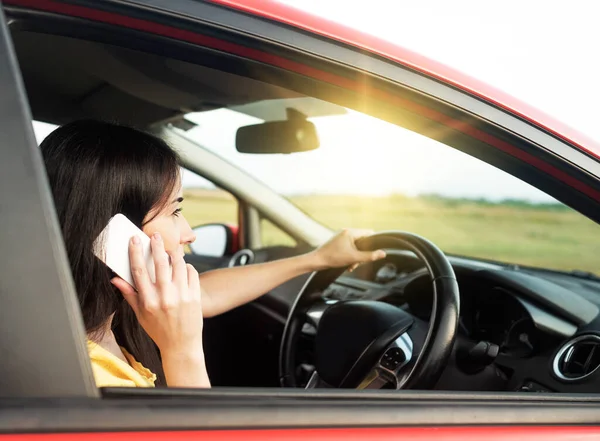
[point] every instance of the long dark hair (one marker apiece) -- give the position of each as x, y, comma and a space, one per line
96, 170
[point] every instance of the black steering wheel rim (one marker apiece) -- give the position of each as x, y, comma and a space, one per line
443, 323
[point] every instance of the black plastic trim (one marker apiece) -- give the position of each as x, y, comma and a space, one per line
551, 296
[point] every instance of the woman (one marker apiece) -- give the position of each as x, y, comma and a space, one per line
152, 336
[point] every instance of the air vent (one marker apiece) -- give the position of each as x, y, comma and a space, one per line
242, 258
578, 358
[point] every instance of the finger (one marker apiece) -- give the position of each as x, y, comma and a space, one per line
139, 272
179, 269
366, 256
193, 280
162, 268
128, 291
353, 267
378, 255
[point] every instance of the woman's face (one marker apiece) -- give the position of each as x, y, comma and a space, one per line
170, 223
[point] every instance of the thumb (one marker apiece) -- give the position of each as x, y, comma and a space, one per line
128, 291
372, 256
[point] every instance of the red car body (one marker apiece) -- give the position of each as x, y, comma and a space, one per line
292, 17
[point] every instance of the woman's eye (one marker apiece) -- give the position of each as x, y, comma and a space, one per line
176, 212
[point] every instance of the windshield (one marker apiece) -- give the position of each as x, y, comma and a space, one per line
368, 173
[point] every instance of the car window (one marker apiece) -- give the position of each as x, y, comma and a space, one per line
368, 173
204, 203
42, 129
271, 235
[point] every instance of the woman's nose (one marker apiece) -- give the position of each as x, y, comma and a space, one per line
188, 235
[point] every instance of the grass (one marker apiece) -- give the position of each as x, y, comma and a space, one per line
542, 235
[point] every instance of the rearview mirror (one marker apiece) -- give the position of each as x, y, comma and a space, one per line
293, 135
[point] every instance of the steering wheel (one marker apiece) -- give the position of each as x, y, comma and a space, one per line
367, 344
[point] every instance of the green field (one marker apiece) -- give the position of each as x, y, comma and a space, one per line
544, 235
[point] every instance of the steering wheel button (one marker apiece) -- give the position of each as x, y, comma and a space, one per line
392, 358
390, 365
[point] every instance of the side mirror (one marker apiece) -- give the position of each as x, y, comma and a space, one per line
214, 240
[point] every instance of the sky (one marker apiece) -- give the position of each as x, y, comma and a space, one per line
542, 52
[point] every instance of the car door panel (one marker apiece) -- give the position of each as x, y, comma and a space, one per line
207, 263
265, 411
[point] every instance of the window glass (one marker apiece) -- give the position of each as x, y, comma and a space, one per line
42, 129
368, 173
272, 235
206, 204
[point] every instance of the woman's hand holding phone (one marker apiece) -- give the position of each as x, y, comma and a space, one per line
169, 310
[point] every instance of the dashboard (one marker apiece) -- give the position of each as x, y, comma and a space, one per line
544, 325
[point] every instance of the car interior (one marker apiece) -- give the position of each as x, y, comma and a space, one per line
520, 329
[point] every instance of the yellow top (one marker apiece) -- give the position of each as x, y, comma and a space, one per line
110, 371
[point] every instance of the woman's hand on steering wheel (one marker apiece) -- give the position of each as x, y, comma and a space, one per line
341, 251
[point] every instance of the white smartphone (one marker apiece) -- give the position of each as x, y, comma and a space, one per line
112, 247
